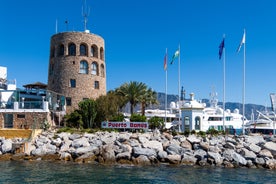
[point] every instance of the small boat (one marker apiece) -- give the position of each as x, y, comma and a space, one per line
264, 124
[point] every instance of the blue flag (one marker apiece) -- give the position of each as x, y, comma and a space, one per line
221, 47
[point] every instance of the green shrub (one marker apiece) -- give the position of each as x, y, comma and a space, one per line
201, 133
138, 118
66, 129
174, 133
156, 122
212, 131
118, 117
187, 133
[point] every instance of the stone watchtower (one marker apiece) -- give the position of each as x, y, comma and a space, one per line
77, 67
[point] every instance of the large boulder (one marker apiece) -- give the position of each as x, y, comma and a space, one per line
186, 144
253, 147
80, 142
248, 154
124, 155
174, 149
193, 139
6, 146
137, 151
256, 139
142, 160
65, 145
216, 156
156, 145
188, 159
108, 154
239, 159
200, 154
271, 146
162, 156
174, 159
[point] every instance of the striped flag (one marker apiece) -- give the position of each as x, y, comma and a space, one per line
221, 47
165, 62
176, 54
242, 42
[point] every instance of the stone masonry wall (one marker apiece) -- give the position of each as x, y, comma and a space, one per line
63, 68
26, 119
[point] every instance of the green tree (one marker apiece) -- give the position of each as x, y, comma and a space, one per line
156, 122
148, 98
88, 112
109, 106
133, 92
74, 120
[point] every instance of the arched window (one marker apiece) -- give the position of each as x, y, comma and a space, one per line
197, 123
72, 49
95, 70
61, 50
83, 50
94, 51
187, 123
102, 71
84, 67
101, 54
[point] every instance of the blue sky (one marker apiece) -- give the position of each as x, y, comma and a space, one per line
137, 34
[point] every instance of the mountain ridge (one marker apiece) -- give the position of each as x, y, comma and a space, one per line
228, 105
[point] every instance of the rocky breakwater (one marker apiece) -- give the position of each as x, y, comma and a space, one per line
149, 149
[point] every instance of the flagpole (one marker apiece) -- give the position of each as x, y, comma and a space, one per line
243, 97
222, 51
224, 86
166, 84
179, 110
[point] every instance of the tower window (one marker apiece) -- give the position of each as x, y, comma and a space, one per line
68, 101
83, 50
94, 51
95, 70
96, 85
101, 54
72, 83
72, 49
61, 50
83, 67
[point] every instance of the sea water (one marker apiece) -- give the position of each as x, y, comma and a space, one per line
15, 172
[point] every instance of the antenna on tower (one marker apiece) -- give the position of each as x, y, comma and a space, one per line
85, 14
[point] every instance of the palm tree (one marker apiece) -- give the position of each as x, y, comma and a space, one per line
132, 92
149, 98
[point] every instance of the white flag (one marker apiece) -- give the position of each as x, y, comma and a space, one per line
242, 42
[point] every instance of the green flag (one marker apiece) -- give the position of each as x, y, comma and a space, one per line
176, 54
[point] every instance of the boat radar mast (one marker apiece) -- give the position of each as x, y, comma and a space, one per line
85, 14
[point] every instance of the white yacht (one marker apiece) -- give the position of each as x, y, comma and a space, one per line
197, 116
170, 116
265, 122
